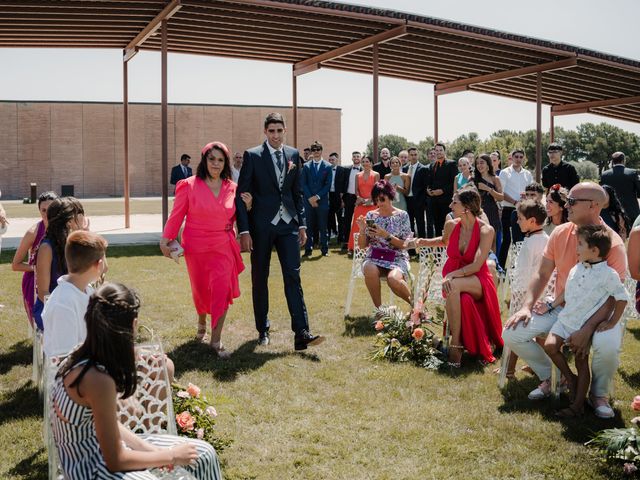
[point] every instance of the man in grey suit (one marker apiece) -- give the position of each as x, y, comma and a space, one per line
625, 182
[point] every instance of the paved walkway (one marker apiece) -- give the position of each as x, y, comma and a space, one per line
145, 229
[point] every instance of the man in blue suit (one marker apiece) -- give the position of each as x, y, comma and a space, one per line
315, 180
182, 171
271, 174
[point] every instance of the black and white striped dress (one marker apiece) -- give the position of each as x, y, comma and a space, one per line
79, 451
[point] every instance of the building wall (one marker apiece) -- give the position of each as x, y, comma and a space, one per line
81, 144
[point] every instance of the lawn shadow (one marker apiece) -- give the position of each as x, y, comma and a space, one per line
31, 467
20, 403
631, 379
117, 251
360, 326
577, 430
469, 366
195, 355
635, 332
18, 354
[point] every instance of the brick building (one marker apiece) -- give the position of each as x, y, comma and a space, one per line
81, 143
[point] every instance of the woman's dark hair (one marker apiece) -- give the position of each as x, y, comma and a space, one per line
616, 209
110, 316
559, 194
59, 214
202, 171
47, 197
477, 176
382, 187
470, 199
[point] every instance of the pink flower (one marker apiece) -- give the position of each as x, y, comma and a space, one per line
291, 166
211, 411
379, 325
193, 390
418, 334
636, 403
183, 394
198, 410
200, 433
415, 317
629, 469
185, 421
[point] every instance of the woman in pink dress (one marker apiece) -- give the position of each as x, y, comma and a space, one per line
211, 252
365, 180
473, 311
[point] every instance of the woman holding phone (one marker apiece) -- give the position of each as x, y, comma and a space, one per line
383, 233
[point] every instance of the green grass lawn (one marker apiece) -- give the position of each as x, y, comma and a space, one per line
92, 207
329, 413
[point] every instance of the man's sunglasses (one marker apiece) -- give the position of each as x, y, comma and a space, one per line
316, 150
572, 201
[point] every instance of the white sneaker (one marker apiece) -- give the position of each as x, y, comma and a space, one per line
601, 407
543, 391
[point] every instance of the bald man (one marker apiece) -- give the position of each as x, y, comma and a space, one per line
383, 167
584, 203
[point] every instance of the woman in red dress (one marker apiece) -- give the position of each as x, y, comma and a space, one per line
211, 251
473, 311
365, 180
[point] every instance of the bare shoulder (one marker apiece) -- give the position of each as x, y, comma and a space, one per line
97, 383
484, 226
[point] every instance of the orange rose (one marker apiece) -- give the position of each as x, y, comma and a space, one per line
193, 390
636, 403
185, 421
418, 334
379, 325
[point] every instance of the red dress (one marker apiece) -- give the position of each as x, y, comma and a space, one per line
480, 323
211, 251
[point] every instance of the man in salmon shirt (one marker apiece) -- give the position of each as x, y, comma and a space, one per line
584, 204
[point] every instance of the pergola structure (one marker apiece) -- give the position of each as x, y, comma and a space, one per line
313, 34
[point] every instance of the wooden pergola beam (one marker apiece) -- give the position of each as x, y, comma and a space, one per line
463, 84
302, 67
167, 12
585, 107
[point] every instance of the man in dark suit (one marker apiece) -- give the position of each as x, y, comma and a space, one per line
315, 179
271, 174
440, 177
416, 198
625, 182
348, 190
334, 222
181, 171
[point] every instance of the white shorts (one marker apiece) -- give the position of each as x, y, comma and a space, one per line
562, 330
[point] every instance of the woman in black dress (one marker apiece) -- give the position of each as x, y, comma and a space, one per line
491, 194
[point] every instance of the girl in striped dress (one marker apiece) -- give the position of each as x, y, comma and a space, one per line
90, 442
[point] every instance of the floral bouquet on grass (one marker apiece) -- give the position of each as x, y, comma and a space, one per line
621, 444
409, 337
195, 417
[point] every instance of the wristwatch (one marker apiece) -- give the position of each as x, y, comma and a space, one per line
550, 307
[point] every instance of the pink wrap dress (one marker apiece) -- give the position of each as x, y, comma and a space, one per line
211, 251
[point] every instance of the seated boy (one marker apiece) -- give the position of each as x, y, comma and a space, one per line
63, 314
531, 215
589, 284
533, 191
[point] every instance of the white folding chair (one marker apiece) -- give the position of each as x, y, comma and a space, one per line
359, 255
429, 278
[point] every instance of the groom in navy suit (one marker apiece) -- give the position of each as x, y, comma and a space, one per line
316, 182
271, 174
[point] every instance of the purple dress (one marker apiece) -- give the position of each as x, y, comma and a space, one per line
28, 279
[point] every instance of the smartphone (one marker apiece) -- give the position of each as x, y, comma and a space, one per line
371, 222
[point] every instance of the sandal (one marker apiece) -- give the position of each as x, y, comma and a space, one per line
202, 331
221, 352
459, 362
569, 412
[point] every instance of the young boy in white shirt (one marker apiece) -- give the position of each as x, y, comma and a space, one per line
589, 284
531, 216
63, 314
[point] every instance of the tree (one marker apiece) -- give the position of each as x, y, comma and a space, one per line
462, 143
587, 170
395, 144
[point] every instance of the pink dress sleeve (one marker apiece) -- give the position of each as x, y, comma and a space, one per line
179, 210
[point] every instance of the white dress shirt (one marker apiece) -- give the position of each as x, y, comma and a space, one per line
412, 172
513, 183
351, 187
283, 213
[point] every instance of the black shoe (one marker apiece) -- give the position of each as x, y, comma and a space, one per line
304, 339
263, 339
307, 253
325, 254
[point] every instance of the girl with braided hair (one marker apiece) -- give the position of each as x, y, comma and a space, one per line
91, 442
64, 216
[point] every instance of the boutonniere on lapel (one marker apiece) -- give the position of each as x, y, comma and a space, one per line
291, 166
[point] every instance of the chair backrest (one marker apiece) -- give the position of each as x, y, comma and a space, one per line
359, 255
150, 409
432, 259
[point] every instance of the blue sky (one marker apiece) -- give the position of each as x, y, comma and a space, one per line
406, 108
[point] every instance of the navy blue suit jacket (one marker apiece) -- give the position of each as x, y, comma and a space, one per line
258, 177
317, 183
177, 175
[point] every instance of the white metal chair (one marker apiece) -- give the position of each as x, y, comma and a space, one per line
429, 278
359, 255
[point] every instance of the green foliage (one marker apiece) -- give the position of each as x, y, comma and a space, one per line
586, 170
395, 144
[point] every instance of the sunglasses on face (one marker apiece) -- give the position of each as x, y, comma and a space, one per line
572, 201
316, 150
